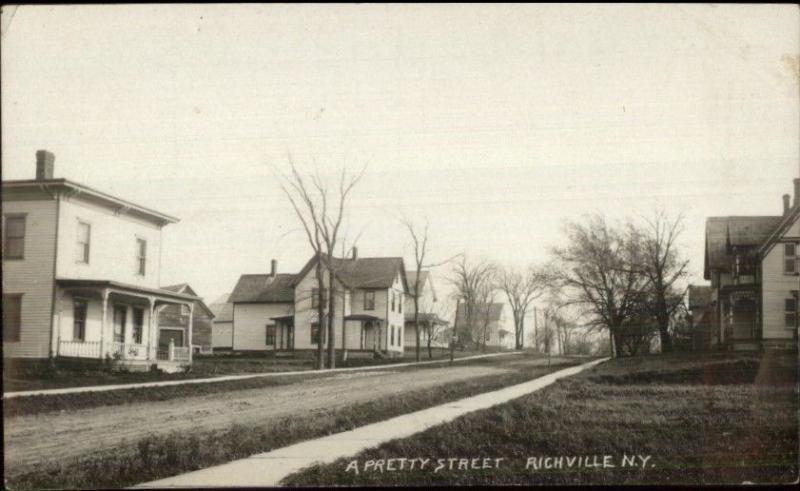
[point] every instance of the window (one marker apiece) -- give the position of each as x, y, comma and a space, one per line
12, 317
315, 297
790, 315
79, 308
369, 300
392, 301
138, 325
184, 309
270, 335
790, 258
14, 237
141, 256
400, 302
84, 238
315, 333
392, 342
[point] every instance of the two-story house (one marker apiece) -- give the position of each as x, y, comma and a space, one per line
81, 273
430, 324
487, 324
753, 264
279, 312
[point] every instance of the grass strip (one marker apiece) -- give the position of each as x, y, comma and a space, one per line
699, 422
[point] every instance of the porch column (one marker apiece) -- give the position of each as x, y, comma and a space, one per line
151, 307
189, 329
103, 323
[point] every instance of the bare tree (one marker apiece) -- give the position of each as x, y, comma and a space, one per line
593, 271
419, 241
321, 213
521, 290
660, 262
484, 303
468, 278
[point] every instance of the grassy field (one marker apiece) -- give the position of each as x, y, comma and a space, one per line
156, 457
680, 419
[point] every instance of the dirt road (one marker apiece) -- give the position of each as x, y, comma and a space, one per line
34, 439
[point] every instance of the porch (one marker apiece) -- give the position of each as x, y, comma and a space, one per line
739, 317
364, 333
106, 320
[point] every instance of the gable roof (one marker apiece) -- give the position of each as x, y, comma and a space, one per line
364, 272
723, 233
264, 288
187, 290
495, 311
411, 276
223, 310
699, 296
91, 194
783, 226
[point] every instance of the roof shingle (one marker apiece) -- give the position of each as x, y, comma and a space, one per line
264, 288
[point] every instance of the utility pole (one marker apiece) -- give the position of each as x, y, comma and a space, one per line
535, 330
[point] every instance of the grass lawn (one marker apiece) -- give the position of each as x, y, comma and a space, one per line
44, 377
203, 366
161, 456
677, 419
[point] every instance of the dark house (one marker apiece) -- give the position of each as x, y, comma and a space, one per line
174, 320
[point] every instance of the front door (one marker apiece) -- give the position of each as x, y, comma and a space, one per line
120, 313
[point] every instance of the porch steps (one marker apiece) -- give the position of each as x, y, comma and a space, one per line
170, 366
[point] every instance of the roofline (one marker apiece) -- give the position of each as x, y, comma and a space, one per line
125, 286
81, 188
793, 214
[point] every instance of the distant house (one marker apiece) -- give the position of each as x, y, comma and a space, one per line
81, 274
493, 316
430, 323
278, 312
174, 322
753, 263
222, 325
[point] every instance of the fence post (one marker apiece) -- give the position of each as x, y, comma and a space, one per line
171, 355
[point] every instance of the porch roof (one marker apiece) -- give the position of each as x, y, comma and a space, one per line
125, 287
361, 317
427, 317
283, 318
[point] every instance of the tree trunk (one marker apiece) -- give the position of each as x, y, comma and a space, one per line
331, 317
320, 318
416, 315
663, 331
430, 339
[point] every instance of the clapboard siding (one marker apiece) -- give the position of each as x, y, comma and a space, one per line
777, 287
33, 276
250, 323
113, 245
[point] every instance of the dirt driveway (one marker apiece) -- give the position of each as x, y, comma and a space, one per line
34, 439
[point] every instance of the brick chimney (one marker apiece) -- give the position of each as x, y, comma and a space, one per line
273, 270
797, 192
45, 163
355, 252
787, 204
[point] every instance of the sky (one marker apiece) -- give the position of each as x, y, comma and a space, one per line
493, 123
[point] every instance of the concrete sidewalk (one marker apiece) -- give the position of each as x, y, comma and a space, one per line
268, 469
224, 378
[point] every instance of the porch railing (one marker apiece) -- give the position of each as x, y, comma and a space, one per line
181, 353
79, 349
173, 353
128, 351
